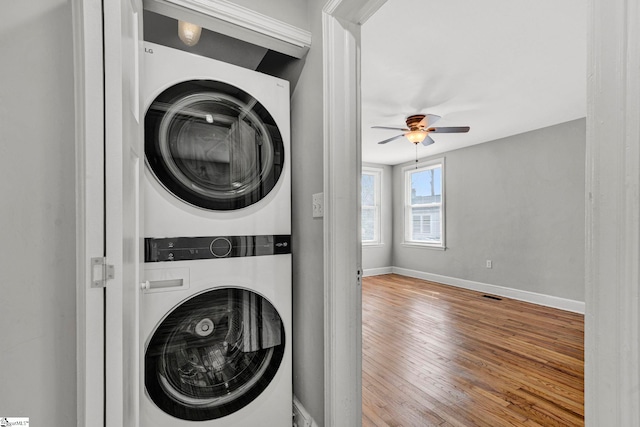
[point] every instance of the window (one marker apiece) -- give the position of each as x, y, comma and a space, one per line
370, 191
424, 204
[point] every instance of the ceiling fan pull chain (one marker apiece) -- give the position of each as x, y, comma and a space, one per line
416, 155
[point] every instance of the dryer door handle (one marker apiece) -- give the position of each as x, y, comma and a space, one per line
160, 284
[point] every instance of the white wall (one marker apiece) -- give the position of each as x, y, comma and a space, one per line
518, 201
376, 257
37, 185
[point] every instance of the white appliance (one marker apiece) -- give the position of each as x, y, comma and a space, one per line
217, 335
215, 311
217, 140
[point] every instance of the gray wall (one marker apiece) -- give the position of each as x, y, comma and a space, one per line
37, 185
293, 12
380, 256
518, 201
307, 179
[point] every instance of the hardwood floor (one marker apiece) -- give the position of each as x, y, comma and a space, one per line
435, 355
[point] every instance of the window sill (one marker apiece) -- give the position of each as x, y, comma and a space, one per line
372, 245
423, 246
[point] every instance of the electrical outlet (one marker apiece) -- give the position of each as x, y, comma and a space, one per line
489, 264
318, 205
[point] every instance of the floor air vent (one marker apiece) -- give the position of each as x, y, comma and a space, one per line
492, 297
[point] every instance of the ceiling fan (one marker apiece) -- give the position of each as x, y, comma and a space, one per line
419, 126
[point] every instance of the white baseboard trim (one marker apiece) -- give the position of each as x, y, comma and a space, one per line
301, 417
377, 271
532, 297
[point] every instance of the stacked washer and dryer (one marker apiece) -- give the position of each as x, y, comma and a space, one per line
216, 304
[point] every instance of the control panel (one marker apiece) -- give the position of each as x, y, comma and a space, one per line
213, 247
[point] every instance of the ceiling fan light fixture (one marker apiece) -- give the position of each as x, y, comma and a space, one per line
189, 33
416, 136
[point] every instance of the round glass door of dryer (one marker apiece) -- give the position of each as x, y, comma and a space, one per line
213, 145
214, 354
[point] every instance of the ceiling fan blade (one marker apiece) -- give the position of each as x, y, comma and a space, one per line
429, 120
390, 139
387, 127
455, 129
428, 141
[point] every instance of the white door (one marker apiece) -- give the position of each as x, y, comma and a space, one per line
89, 89
123, 165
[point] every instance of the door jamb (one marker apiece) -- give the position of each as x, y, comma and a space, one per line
89, 143
612, 202
341, 21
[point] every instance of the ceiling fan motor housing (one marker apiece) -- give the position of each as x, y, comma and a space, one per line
413, 122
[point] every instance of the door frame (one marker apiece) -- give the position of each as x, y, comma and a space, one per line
612, 202
100, 161
341, 24
90, 243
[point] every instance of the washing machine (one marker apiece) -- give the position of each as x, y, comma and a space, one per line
215, 310
217, 140
216, 326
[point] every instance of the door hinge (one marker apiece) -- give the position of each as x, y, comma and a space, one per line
101, 272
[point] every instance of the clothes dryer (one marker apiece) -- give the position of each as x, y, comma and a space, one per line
217, 140
216, 332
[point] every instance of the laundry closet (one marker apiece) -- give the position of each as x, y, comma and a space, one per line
205, 217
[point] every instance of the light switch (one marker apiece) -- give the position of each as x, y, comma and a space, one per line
318, 205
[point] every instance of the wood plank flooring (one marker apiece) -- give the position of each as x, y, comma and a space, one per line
435, 355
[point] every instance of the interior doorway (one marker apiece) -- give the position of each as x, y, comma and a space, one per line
413, 102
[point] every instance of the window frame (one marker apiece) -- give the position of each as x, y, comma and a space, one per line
407, 172
377, 173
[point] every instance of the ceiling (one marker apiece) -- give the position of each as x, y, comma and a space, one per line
502, 67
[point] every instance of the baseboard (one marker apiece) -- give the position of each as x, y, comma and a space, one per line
377, 271
532, 297
301, 417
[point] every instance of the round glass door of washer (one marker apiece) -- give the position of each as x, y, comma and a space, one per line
214, 354
212, 145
